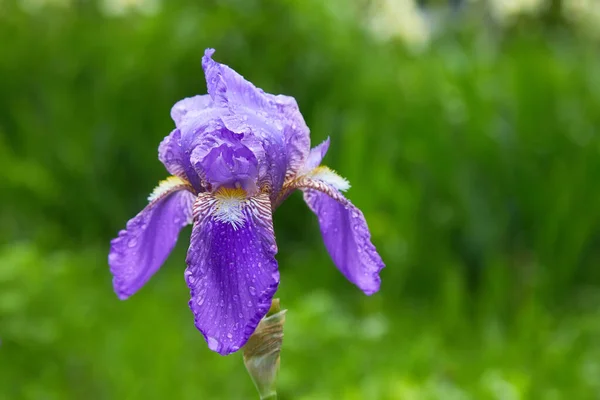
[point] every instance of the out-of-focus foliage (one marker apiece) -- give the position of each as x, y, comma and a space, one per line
474, 159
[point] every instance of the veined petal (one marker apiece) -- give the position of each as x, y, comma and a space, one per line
232, 272
140, 250
346, 235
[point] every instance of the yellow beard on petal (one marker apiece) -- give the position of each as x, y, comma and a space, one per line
229, 206
329, 176
166, 186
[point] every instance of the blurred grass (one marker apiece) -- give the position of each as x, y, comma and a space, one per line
474, 161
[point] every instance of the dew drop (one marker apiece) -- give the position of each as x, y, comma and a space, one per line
249, 303
132, 242
252, 290
229, 335
212, 343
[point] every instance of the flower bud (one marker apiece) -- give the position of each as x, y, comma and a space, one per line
261, 352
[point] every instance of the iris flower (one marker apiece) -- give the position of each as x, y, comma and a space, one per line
235, 154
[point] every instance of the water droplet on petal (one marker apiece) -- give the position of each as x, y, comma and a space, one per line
249, 303
132, 242
229, 335
252, 290
212, 343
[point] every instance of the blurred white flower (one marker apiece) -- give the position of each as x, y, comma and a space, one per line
123, 7
505, 10
399, 18
584, 13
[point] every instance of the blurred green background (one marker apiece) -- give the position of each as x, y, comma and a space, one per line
469, 133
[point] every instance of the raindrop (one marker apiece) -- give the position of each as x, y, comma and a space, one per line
212, 343
252, 290
132, 242
249, 303
229, 335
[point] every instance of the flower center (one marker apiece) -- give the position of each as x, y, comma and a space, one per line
229, 207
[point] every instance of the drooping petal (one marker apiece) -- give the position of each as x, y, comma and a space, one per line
346, 235
232, 272
140, 249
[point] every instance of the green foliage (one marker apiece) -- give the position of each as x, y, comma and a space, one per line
474, 162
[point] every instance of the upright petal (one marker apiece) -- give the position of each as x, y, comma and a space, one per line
346, 235
296, 132
226, 87
275, 120
232, 272
189, 105
172, 154
139, 250
315, 156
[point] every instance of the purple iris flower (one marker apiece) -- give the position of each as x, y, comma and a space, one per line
234, 156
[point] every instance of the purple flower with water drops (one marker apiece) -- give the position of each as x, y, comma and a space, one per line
235, 154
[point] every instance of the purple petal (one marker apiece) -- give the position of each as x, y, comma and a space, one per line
232, 272
347, 238
171, 153
226, 87
229, 165
296, 132
316, 155
190, 104
274, 120
140, 250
